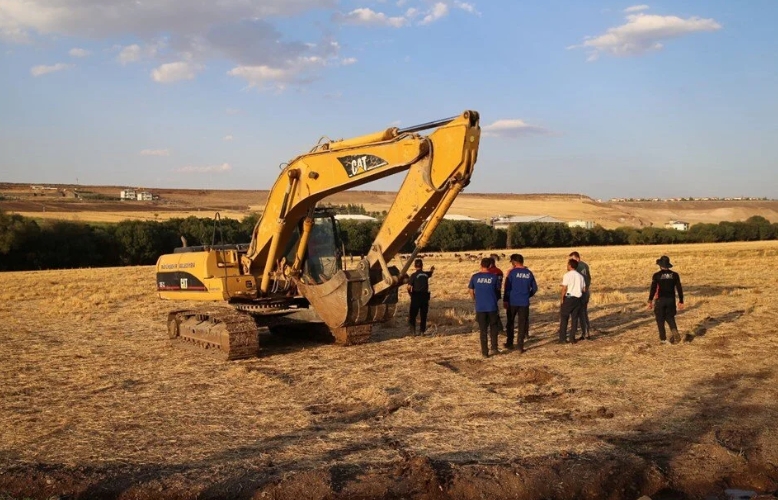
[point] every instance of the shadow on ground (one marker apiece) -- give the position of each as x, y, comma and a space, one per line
712, 438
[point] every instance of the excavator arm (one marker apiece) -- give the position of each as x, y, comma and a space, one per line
439, 166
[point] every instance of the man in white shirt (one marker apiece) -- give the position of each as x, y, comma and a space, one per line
571, 291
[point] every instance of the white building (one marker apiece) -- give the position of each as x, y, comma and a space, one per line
678, 225
359, 217
586, 224
127, 194
505, 222
145, 196
466, 218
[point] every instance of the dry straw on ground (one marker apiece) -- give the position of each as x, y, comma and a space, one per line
87, 376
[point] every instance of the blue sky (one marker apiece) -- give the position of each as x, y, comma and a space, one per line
603, 98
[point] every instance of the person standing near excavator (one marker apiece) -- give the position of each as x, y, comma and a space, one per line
419, 291
493, 269
484, 288
520, 286
661, 298
583, 269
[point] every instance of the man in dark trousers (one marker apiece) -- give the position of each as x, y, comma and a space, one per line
484, 288
520, 285
573, 287
497, 272
419, 291
583, 268
661, 298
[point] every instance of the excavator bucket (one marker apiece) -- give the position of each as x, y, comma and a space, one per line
347, 304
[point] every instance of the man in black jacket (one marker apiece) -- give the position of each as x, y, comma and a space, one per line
661, 298
419, 290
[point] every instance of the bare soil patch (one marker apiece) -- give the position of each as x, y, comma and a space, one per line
94, 403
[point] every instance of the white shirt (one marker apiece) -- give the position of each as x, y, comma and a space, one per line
574, 281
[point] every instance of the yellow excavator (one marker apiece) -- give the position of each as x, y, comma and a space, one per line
291, 274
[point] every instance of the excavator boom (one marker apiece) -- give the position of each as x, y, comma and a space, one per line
439, 166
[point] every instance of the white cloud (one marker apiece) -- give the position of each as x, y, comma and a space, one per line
155, 152
43, 69
227, 138
636, 8
238, 31
189, 169
175, 72
467, 7
348, 61
13, 34
76, 52
511, 128
643, 33
241, 32
130, 53
438, 11
300, 70
365, 16
110, 18
368, 17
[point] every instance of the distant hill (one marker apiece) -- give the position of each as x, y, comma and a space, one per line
101, 203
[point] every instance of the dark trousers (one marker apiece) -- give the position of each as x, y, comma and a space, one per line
586, 328
522, 312
420, 305
664, 310
488, 321
571, 307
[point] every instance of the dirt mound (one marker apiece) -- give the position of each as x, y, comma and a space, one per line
608, 475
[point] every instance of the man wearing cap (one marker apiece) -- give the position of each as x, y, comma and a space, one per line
661, 298
583, 268
573, 287
520, 285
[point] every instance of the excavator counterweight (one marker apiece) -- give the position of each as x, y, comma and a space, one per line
291, 275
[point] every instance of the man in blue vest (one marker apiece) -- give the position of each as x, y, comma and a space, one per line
520, 285
484, 288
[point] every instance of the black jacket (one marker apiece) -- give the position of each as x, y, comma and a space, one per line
419, 281
664, 283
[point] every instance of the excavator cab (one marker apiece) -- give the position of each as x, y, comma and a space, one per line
324, 257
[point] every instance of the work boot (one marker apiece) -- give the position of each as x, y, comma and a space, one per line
494, 352
412, 329
675, 337
508, 346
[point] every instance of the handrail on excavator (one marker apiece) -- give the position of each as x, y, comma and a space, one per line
426, 126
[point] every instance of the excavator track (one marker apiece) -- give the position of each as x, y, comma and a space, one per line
221, 331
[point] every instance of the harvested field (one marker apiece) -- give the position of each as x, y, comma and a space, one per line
95, 403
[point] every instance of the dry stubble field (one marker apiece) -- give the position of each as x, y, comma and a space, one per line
95, 403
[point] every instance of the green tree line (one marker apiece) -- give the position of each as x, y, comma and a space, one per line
27, 244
